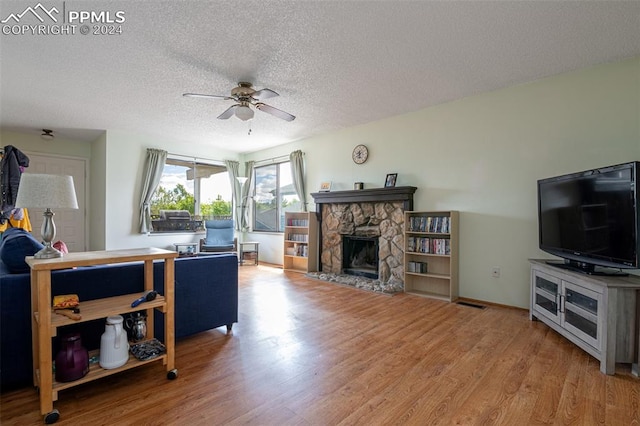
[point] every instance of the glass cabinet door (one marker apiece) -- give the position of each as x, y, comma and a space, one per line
547, 295
582, 308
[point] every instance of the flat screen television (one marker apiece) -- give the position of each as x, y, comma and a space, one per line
590, 218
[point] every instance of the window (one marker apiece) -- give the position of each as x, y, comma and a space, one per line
190, 191
274, 195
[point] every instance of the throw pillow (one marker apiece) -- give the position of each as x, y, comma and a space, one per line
15, 246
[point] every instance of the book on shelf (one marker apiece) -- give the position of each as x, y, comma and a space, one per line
298, 222
303, 238
417, 267
428, 245
433, 224
301, 250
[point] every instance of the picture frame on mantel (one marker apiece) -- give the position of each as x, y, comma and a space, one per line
325, 186
390, 181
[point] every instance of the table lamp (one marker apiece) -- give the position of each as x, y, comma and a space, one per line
47, 192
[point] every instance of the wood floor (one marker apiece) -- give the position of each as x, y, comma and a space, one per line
307, 352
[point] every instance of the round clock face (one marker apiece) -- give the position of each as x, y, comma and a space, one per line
360, 154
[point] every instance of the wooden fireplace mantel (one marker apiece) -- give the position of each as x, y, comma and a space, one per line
373, 195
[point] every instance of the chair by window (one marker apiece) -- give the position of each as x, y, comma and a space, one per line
219, 236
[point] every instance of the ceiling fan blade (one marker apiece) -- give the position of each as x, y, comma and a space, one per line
228, 113
264, 94
275, 111
198, 95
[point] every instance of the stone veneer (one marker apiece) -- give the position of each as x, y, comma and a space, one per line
384, 220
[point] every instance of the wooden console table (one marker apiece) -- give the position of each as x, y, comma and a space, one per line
45, 323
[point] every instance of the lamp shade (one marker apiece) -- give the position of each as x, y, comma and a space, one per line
46, 191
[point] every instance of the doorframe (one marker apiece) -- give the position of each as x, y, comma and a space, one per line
87, 184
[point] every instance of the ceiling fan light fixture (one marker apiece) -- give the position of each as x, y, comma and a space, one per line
244, 113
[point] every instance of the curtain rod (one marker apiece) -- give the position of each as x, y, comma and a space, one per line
274, 159
266, 160
191, 157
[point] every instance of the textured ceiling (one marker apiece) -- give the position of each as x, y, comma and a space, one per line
334, 64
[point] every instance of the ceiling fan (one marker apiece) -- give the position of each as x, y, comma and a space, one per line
245, 97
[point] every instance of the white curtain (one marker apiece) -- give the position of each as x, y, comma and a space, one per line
153, 168
246, 190
240, 193
296, 159
236, 194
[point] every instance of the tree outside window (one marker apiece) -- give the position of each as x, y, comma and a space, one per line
274, 195
189, 193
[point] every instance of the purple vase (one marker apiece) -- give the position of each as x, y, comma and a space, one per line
72, 361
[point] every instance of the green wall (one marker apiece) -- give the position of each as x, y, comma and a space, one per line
482, 155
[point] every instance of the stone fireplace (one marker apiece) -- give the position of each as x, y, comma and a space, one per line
366, 225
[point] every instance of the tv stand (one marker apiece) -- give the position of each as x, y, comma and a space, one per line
598, 313
586, 268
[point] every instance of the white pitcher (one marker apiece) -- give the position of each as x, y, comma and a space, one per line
114, 347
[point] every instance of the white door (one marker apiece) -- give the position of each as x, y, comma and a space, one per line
70, 224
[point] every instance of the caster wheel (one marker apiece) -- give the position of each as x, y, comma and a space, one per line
171, 375
52, 417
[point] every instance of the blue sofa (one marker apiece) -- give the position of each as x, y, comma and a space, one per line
206, 297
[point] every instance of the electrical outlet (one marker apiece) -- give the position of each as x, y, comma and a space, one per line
495, 272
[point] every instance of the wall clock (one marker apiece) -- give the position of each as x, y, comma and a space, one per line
360, 154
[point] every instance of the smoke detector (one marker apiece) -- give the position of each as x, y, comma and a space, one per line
47, 135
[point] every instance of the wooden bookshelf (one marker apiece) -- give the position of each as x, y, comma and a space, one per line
300, 242
431, 254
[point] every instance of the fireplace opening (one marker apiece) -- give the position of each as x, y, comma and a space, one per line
360, 256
